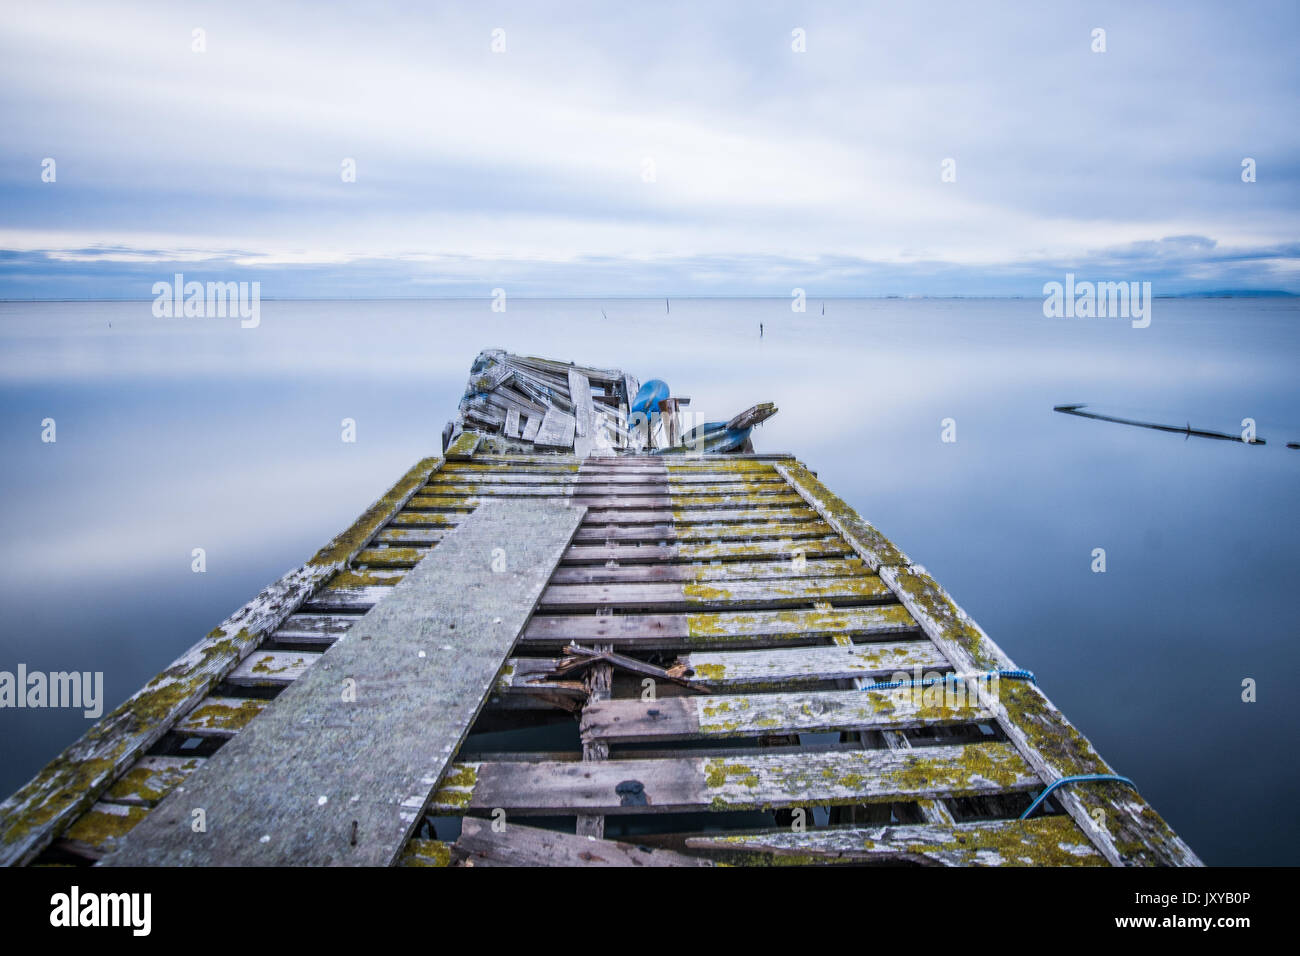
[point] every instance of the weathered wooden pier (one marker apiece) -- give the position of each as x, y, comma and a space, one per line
542, 648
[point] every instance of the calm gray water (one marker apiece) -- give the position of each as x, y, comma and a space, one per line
182, 433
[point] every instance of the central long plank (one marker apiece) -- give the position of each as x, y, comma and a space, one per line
338, 768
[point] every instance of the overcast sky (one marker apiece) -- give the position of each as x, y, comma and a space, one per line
527, 169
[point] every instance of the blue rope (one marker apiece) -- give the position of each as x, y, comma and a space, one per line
1078, 777
1017, 674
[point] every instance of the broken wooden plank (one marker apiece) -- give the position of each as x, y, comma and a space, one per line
579, 656
420, 518
312, 630
101, 829
492, 377
556, 430
370, 728
773, 669
583, 413
219, 716
599, 681
745, 782
726, 628
754, 415
1047, 841
753, 715
517, 845
931, 811
278, 668
151, 779
434, 853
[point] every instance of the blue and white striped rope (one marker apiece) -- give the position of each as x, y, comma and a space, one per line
1010, 674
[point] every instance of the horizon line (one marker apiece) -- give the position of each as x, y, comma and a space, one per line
1217, 294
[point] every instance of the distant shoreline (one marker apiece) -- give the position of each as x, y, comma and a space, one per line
1247, 294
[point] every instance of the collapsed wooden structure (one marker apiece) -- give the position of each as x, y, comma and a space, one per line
527, 403
696, 659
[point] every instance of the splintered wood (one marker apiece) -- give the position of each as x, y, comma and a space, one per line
548, 405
